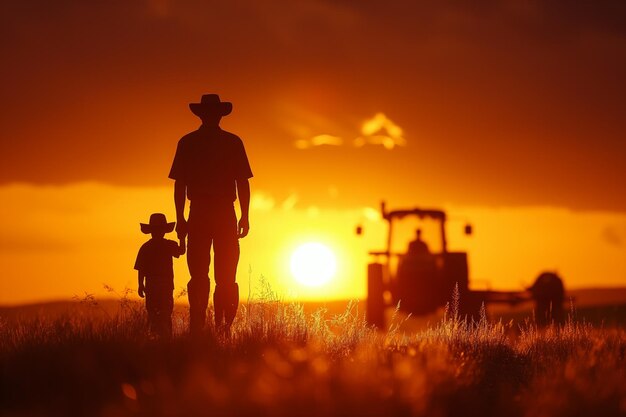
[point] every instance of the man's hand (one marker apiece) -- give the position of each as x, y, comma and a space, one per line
181, 229
243, 228
141, 291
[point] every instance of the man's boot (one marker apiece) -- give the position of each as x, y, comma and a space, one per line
219, 303
232, 303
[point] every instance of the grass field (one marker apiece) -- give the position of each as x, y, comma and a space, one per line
281, 361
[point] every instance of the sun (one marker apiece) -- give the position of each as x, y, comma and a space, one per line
313, 264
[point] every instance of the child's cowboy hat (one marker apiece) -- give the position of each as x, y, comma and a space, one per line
211, 104
158, 223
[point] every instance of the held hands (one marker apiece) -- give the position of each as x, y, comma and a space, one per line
141, 291
181, 229
243, 227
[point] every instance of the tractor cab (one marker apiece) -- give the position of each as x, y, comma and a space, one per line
416, 270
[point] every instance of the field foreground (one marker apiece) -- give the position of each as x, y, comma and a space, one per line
280, 361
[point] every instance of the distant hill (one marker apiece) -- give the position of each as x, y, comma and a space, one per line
597, 296
60, 308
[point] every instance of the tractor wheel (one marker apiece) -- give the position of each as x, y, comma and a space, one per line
375, 299
548, 293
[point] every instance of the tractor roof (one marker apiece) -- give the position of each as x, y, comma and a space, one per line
421, 213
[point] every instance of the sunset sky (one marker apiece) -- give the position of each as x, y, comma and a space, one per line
509, 114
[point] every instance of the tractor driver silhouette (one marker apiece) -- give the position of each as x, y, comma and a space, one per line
211, 169
418, 246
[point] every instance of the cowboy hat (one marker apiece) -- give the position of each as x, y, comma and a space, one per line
211, 104
158, 223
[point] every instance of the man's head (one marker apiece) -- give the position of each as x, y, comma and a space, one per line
158, 226
211, 109
418, 233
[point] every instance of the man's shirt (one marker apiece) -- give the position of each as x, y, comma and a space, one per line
209, 161
154, 260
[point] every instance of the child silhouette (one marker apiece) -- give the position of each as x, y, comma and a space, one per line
155, 268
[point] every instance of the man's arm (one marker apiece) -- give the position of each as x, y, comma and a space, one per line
243, 192
180, 196
140, 286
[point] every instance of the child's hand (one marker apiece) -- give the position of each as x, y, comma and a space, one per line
181, 228
141, 291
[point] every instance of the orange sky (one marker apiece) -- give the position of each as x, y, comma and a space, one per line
70, 240
508, 105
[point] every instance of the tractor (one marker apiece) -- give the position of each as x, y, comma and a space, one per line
419, 281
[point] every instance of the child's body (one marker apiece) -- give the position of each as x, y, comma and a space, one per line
156, 273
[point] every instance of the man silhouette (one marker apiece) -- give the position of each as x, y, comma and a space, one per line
211, 169
418, 246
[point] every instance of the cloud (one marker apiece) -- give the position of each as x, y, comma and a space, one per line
378, 130
290, 202
378, 123
386, 141
261, 201
318, 140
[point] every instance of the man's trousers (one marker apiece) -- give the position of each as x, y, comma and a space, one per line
212, 226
